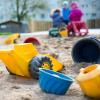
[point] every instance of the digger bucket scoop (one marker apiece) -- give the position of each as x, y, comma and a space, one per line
17, 59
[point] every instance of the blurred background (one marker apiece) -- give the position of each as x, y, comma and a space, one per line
34, 15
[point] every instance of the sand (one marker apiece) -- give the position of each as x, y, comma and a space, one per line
21, 88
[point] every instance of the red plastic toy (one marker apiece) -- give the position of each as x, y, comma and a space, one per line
76, 27
32, 40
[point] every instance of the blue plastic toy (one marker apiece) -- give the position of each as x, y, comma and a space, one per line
54, 82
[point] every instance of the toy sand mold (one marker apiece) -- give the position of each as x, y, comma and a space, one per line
89, 81
25, 60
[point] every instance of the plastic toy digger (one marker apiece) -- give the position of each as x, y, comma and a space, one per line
25, 60
12, 38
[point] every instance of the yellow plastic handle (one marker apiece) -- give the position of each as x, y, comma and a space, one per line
88, 69
82, 70
62, 29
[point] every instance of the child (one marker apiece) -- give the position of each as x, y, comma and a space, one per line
76, 14
57, 18
76, 24
65, 12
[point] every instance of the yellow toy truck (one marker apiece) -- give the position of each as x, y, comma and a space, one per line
25, 60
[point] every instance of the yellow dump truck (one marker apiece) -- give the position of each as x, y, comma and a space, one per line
25, 60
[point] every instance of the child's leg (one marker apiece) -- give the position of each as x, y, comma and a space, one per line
71, 30
86, 28
77, 33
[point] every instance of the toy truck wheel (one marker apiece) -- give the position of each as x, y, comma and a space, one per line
39, 62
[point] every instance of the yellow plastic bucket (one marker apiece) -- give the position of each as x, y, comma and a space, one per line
63, 32
89, 80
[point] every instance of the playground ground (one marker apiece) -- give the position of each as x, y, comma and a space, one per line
20, 88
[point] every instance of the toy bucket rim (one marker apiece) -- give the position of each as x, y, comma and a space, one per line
68, 78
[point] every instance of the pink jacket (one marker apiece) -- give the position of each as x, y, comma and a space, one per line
76, 15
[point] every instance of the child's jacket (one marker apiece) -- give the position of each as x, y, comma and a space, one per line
76, 15
57, 20
66, 13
